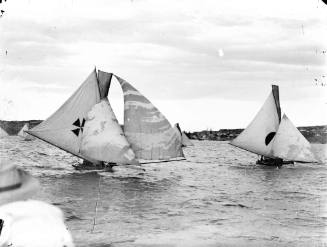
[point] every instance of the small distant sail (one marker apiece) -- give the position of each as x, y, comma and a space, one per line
103, 138
3, 133
290, 144
258, 136
65, 127
22, 133
146, 128
186, 141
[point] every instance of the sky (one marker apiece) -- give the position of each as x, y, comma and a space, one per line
207, 64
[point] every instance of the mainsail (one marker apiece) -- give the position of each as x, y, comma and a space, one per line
103, 138
146, 128
258, 136
290, 144
3, 133
22, 133
64, 128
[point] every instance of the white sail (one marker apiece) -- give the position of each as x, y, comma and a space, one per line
146, 129
290, 144
3, 133
65, 127
258, 136
185, 140
22, 133
103, 138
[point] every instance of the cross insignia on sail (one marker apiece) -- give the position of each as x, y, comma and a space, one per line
79, 125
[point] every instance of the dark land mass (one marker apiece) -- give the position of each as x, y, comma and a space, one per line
314, 134
13, 127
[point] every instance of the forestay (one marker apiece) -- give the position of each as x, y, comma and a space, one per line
290, 144
258, 136
103, 138
146, 129
64, 128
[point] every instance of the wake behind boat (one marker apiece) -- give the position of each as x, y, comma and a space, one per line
86, 126
275, 139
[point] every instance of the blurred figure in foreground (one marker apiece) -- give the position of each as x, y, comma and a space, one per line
27, 223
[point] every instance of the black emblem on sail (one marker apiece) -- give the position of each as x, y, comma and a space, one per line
79, 126
269, 137
1, 225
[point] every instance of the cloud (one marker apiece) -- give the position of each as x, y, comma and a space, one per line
168, 49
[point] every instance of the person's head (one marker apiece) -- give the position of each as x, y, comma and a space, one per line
15, 184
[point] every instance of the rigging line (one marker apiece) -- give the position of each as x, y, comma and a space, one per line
96, 204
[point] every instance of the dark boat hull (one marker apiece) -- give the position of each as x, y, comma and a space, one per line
273, 162
88, 166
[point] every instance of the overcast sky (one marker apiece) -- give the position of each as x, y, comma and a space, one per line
203, 63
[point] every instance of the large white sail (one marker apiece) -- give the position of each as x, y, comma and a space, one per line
22, 133
64, 128
146, 128
3, 133
258, 136
103, 138
290, 144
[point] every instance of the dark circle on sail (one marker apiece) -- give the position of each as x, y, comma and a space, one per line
269, 137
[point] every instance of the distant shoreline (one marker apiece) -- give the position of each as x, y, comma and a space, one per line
314, 134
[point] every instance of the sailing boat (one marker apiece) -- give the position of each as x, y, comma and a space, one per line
275, 139
86, 126
22, 133
3, 133
186, 142
150, 134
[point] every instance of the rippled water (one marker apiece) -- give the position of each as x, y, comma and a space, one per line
217, 197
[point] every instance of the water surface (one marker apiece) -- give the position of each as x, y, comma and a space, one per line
217, 197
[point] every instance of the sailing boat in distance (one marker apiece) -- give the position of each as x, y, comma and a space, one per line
86, 126
186, 142
275, 139
23, 134
3, 133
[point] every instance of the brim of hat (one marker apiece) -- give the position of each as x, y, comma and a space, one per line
28, 188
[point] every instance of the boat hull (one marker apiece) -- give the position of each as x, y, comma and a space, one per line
273, 162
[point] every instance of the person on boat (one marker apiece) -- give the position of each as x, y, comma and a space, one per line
87, 165
27, 223
270, 161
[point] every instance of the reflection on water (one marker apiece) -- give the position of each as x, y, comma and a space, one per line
217, 196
